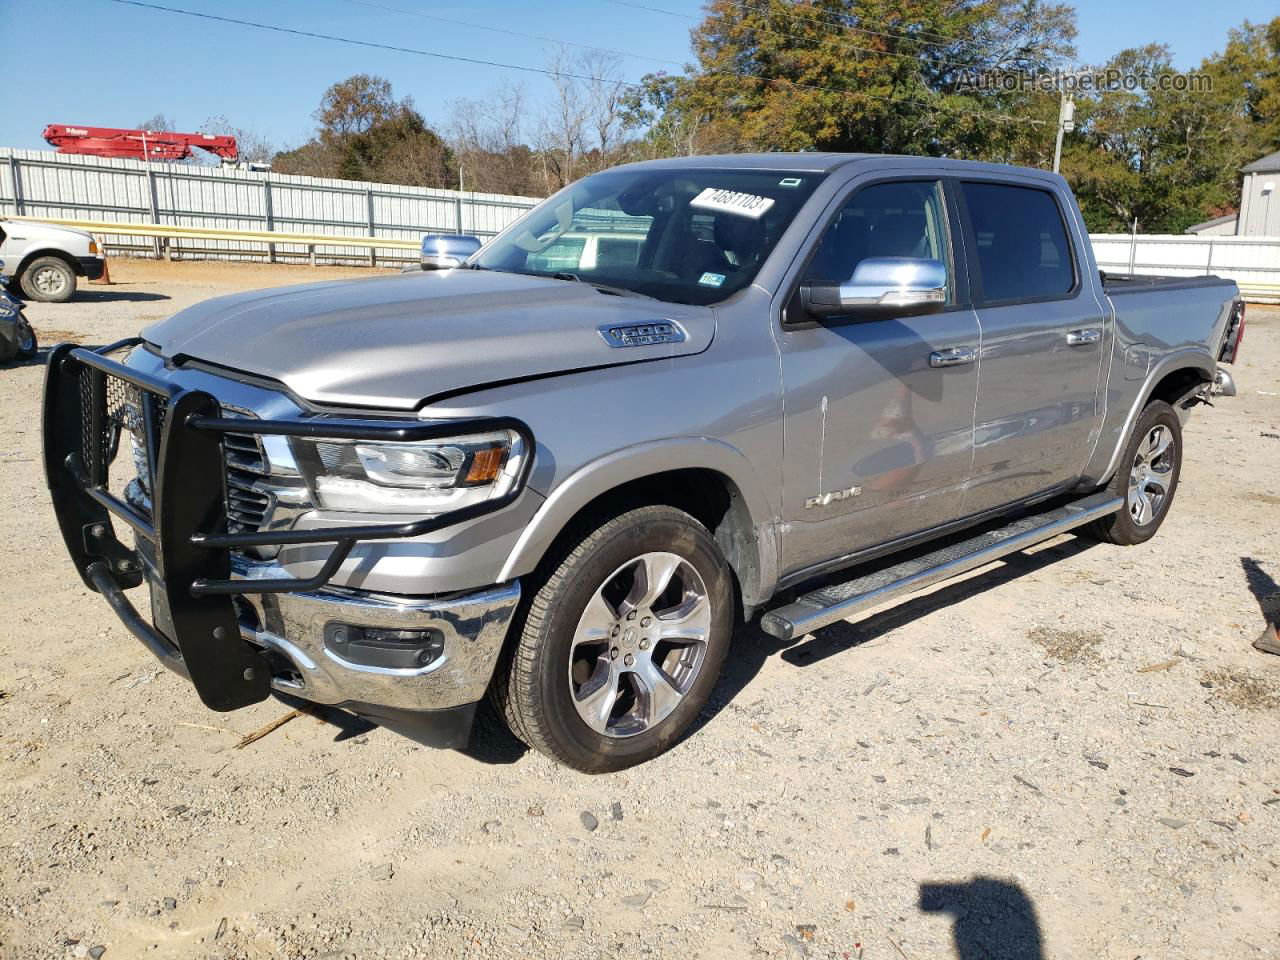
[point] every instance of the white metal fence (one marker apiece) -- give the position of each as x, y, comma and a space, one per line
41, 183
1252, 262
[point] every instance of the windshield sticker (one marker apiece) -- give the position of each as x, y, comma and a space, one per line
730, 201
711, 279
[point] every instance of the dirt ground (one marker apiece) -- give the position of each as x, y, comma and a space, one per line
1073, 753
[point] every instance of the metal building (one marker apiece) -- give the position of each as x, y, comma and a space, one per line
1259, 207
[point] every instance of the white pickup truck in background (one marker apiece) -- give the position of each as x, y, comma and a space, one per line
44, 259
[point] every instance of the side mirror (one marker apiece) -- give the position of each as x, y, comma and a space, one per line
443, 251
881, 287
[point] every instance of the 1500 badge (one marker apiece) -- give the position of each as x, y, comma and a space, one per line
643, 334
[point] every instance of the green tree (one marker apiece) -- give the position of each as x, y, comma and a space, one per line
1247, 75
354, 105
364, 133
1169, 158
878, 75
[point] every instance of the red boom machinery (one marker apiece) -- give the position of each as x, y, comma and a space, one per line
137, 144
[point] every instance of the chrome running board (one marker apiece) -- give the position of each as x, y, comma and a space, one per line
826, 605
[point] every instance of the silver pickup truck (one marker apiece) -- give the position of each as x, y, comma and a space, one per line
675, 395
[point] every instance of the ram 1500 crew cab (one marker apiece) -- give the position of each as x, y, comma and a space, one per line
564, 485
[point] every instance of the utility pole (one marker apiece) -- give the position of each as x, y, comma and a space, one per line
1066, 123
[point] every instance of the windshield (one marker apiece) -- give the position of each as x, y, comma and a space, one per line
687, 236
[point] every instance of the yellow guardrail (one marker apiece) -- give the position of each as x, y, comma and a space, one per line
310, 240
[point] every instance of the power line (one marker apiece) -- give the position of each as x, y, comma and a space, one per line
941, 39
457, 58
835, 24
511, 33
832, 27
624, 53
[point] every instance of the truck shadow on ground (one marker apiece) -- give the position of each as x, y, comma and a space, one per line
492, 743
42, 355
991, 919
116, 296
752, 647
16, 364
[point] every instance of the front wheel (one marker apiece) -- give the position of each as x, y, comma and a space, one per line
622, 643
49, 279
1147, 477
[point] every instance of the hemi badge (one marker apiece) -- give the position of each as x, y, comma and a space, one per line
642, 334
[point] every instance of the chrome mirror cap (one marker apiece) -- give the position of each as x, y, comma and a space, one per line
882, 286
442, 251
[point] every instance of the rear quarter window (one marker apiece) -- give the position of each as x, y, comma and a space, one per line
1023, 252
564, 254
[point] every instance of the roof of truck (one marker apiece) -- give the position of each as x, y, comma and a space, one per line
826, 162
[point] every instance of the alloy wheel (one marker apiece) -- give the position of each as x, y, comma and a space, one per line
1150, 475
639, 644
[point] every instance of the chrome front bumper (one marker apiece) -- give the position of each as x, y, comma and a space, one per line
291, 627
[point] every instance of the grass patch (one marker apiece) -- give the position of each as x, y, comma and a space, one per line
1069, 646
1244, 690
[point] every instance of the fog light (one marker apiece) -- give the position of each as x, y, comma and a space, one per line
384, 647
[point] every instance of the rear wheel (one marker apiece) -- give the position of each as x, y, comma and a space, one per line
1147, 477
621, 645
49, 279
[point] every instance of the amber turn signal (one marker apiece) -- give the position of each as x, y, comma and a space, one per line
485, 466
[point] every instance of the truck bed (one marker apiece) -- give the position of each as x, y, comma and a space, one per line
1117, 284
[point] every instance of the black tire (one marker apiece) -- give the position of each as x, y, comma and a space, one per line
533, 688
56, 290
1127, 527
28, 345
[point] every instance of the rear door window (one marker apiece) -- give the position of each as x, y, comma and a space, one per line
618, 251
564, 254
1022, 248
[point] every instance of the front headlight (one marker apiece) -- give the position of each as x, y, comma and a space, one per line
423, 478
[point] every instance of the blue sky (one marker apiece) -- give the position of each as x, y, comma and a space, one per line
117, 65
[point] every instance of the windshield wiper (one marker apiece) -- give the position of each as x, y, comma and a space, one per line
602, 287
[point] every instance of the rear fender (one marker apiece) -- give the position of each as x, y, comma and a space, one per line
1198, 360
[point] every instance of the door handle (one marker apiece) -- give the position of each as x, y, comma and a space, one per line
1076, 337
953, 357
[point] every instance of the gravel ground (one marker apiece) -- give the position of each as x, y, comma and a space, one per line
1068, 754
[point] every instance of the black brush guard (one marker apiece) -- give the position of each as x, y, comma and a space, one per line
87, 398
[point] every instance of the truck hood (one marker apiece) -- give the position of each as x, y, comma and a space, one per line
398, 341
33, 230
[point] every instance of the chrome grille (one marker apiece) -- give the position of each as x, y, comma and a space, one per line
248, 504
